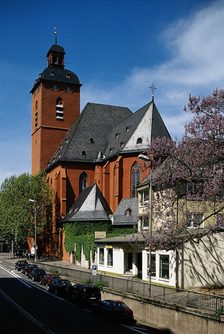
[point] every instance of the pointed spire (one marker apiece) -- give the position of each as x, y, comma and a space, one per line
55, 36
153, 88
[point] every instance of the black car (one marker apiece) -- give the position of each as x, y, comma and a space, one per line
36, 274
60, 287
85, 294
114, 310
27, 268
20, 264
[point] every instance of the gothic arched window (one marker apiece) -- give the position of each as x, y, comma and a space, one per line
135, 179
82, 181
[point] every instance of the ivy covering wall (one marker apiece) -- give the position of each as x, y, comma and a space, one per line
79, 234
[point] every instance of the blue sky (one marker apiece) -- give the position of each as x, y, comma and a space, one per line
117, 48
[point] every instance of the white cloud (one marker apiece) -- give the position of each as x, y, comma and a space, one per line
196, 45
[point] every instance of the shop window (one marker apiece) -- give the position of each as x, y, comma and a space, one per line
101, 256
164, 267
110, 257
152, 264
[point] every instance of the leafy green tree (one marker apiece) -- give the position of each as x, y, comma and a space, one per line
193, 168
17, 213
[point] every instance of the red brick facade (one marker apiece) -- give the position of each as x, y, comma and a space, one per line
113, 177
48, 131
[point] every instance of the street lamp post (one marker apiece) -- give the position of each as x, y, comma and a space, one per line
35, 228
146, 158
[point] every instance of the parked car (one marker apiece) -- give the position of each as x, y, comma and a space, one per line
19, 264
36, 274
27, 268
60, 287
85, 294
115, 310
47, 279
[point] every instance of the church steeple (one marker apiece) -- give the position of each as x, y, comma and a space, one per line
55, 107
56, 53
56, 56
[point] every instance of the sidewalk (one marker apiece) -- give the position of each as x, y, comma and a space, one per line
5, 257
63, 264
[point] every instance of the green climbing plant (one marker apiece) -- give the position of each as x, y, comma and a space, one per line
81, 235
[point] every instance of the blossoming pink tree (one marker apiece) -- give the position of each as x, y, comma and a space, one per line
190, 170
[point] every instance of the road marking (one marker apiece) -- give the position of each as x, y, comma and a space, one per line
29, 316
133, 328
16, 276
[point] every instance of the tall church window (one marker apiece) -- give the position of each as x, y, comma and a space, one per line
82, 181
59, 108
135, 179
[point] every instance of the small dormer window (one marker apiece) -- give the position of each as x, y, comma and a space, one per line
127, 128
128, 212
84, 153
121, 144
139, 140
59, 108
116, 135
111, 150
91, 141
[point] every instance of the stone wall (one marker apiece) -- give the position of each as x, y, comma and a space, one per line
159, 315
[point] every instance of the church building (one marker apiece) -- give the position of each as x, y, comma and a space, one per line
90, 156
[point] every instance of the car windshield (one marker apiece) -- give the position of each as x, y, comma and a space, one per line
64, 282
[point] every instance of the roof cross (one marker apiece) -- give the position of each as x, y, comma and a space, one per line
153, 88
55, 36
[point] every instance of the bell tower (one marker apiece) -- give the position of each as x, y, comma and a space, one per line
55, 107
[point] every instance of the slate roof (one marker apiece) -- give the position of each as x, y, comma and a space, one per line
140, 239
56, 48
100, 132
96, 209
120, 135
120, 217
89, 134
56, 73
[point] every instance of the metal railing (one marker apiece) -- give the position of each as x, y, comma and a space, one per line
179, 298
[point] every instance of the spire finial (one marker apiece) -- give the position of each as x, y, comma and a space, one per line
153, 88
55, 36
